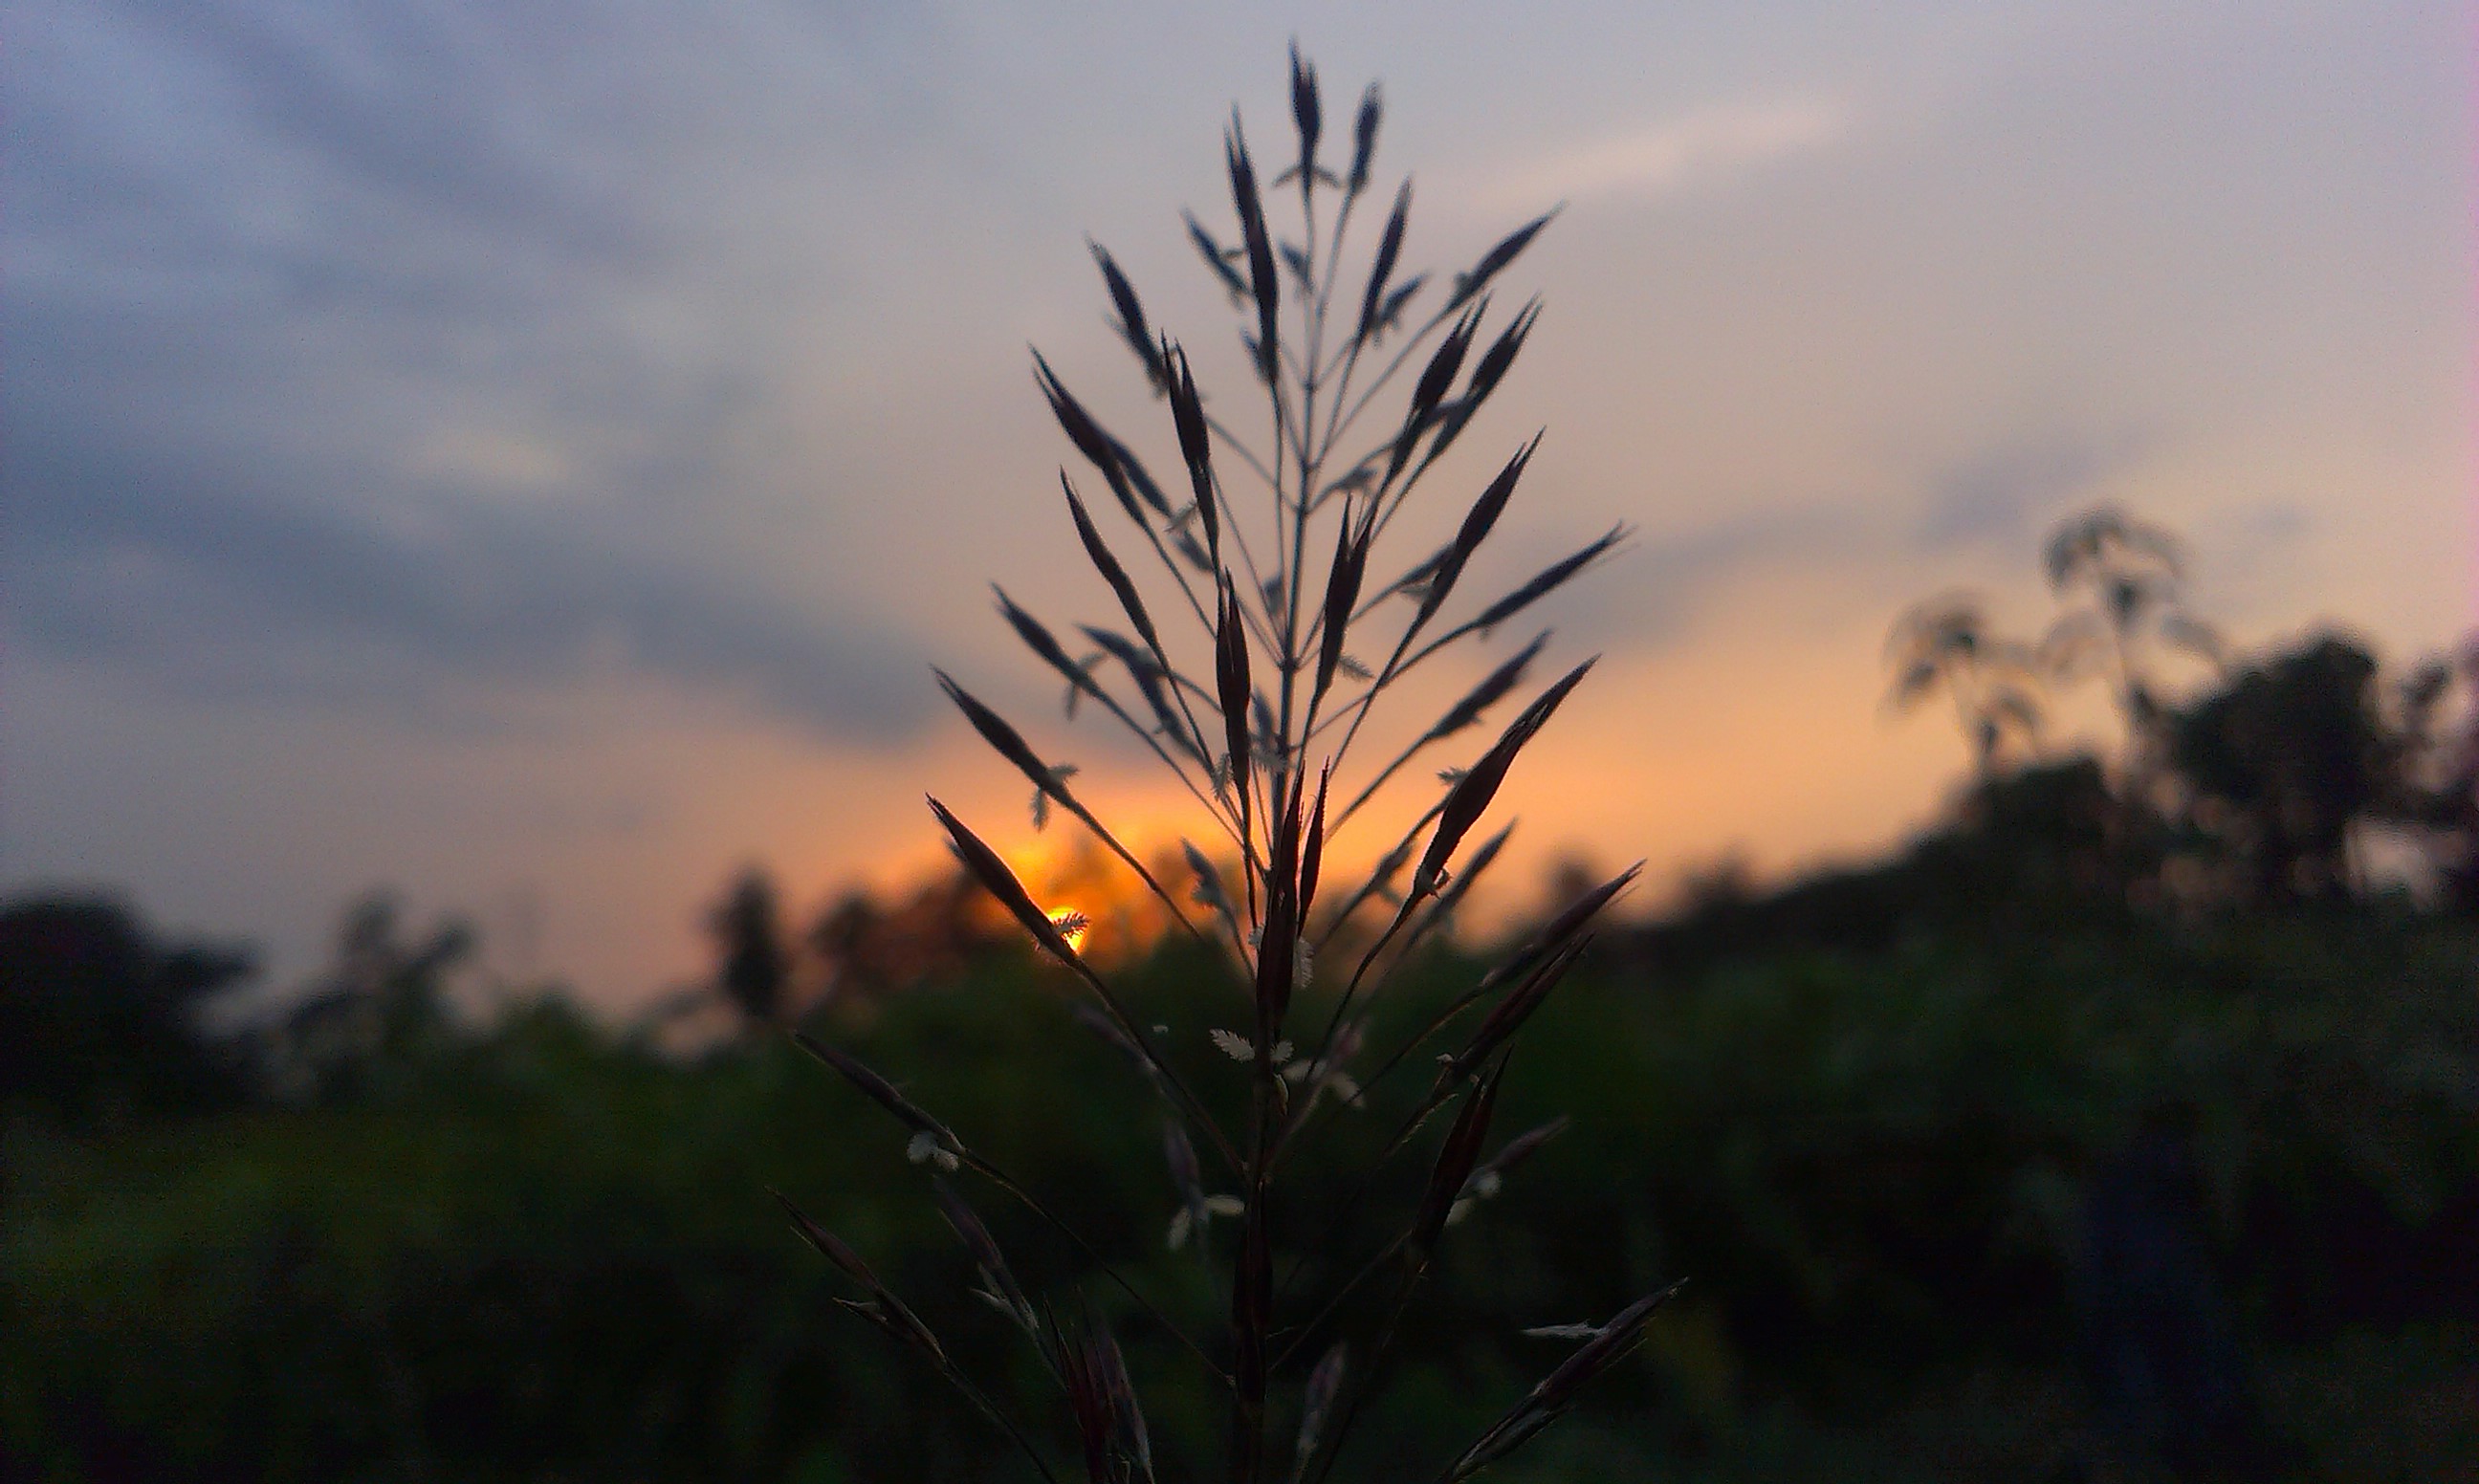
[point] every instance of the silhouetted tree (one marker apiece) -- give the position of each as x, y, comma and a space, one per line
378, 1007
1945, 644
755, 970
2130, 573
2436, 775
2282, 759
98, 1020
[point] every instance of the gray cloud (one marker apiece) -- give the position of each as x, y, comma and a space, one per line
188, 578
332, 376
2008, 493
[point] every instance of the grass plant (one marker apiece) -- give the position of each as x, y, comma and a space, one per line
1255, 593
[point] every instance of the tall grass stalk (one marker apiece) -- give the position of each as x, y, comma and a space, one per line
1271, 616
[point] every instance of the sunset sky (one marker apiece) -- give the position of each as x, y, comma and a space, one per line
529, 456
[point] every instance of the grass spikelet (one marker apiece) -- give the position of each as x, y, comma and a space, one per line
1472, 794
1132, 316
878, 1090
1375, 307
1457, 1158
1549, 581
1495, 261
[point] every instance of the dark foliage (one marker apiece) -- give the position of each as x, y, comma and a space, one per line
101, 1021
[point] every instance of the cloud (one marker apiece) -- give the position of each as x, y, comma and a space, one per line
381, 357
2007, 494
1659, 160
205, 586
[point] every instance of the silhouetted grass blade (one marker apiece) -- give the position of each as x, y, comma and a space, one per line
1098, 552
1549, 1400
1363, 140
1389, 247
1477, 523
1508, 1015
1472, 792
1230, 678
1546, 582
1217, 257
1496, 260
1042, 642
1491, 689
1342, 594
992, 871
1457, 1158
1010, 745
1266, 289
884, 1310
1325, 1382
1195, 449
1306, 116
878, 1090
1132, 316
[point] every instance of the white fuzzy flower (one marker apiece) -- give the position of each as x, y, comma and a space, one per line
927, 1148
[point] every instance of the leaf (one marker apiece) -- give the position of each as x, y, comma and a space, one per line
1325, 1383
1555, 934
1391, 310
1150, 678
1119, 468
1008, 742
884, 1310
1606, 1347
1522, 1147
1302, 271
1312, 846
983, 1249
1435, 379
1508, 1015
1486, 375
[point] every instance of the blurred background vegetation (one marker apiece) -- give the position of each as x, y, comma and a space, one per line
2136, 1084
